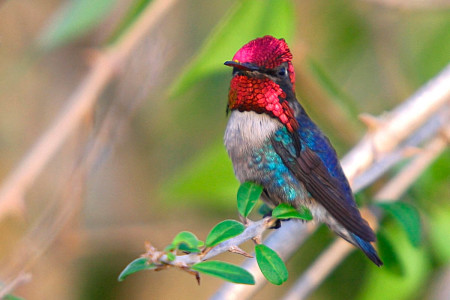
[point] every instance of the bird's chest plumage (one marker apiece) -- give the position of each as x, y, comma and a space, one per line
248, 139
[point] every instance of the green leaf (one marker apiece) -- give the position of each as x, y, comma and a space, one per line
73, 20
271, 265
225, 271
186, 241
170, 256
247, 20
136, 265
286, 211
388, 254
224, 231
131, 16
408, 217
247, 196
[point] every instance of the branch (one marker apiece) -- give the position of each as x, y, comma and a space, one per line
253, 229
382, 139
397, 125
20, 279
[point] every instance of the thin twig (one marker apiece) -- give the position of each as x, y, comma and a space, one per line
426, 132
253, 229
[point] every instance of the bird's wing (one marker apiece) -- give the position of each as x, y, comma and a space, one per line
309, 168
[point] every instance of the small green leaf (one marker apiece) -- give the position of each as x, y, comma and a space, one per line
170, 256
224, 231
136, 265
286, 211
264, 210
187, 238
408, 217
247, 196
388, 255
225, 271
271, 265
73, 20
186, 241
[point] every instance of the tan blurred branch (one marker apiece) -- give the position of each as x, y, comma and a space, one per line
412, 4
397, 125
79, 104
384, 136
20, 279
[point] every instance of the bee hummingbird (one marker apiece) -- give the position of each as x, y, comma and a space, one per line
272, 142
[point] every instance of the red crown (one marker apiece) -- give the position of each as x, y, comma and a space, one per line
268, 52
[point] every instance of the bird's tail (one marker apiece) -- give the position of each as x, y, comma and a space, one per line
367, 248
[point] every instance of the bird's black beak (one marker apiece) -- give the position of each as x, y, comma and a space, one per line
241, 66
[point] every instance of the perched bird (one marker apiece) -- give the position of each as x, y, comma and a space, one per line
273, 142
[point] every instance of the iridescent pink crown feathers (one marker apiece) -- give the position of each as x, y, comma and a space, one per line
268, 52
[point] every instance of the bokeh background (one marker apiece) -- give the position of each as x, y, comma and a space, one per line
148, 162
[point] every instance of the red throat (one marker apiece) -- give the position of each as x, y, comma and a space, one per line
261, 95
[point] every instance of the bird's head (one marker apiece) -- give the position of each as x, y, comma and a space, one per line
263, 80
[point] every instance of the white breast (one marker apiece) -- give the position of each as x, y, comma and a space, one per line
247, 130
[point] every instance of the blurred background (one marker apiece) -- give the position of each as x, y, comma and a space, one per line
147, 160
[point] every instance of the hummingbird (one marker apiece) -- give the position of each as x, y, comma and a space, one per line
272, 141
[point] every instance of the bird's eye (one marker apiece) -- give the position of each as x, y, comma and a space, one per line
282, 72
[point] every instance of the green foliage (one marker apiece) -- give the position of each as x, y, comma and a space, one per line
271, 265
408, 217
248, 19
425, 52
207, 177
223, 231
131, 16
383, 283
388, 254
187, 241
247, 196
136, 265
439, 228
171, 256
73, 20
224, 271
286, 211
